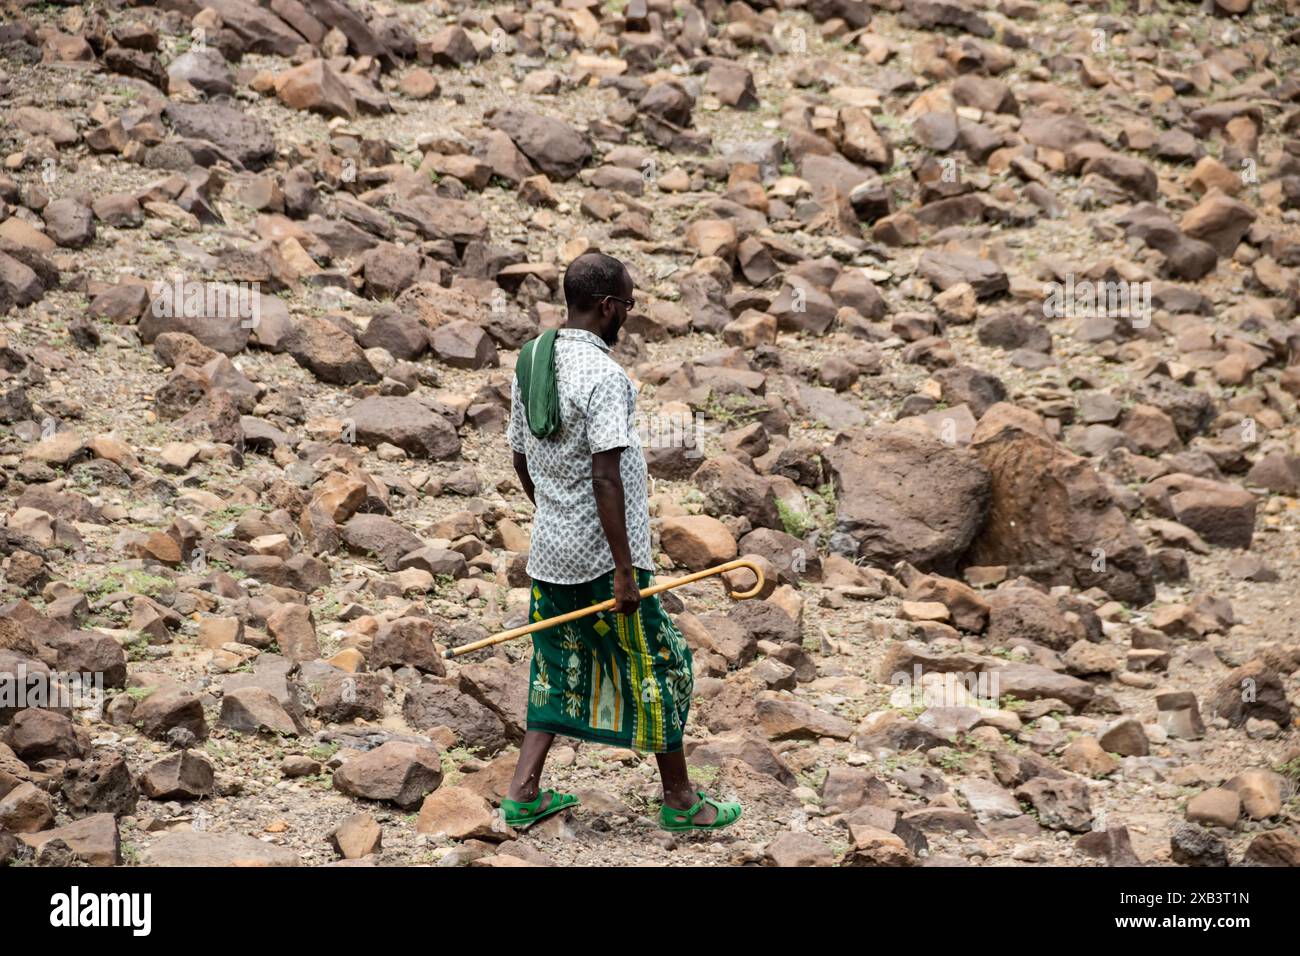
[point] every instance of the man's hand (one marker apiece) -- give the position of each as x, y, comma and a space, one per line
525, 479
626, 593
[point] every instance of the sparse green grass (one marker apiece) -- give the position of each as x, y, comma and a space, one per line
135, 648
730, 410
217, 750
136, 582
893, 762
794, 523
704, 775
953, 761
814, 778
827, 494
323, 752
451, 761
329, 608
223, 516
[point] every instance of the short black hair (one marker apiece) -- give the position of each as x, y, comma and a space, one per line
590, 276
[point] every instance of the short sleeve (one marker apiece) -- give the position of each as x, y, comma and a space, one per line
518, 422
607, 425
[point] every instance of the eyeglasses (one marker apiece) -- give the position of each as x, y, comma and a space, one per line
630, 303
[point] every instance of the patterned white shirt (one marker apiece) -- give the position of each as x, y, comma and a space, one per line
597, 413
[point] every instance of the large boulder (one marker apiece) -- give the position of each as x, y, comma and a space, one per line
241, 136
314, 86
553, 145
399, 771
1219, 220
328, 352
947, 269
202, 848
443, 704
1222, 513
731, 488
260, 30
696, 541
440, 217
406, 423
381, 536
904, 495
1052, 518
224, 323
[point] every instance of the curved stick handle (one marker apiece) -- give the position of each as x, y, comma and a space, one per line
511, 634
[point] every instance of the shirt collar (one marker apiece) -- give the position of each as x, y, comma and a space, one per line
582, 335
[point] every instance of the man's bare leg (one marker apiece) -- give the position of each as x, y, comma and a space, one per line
528, 771
678, 792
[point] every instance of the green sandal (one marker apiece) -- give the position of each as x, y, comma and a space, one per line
671, 818
525, 814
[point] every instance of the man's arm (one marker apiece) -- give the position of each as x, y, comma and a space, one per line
515, 435
525, 479
607, 484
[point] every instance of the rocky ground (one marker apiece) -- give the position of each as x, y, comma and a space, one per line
1030, 548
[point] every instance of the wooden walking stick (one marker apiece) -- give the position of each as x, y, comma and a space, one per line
511, 634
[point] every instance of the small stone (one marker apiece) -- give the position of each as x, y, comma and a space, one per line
1215, 807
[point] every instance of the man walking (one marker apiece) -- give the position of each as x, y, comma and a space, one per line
624, 677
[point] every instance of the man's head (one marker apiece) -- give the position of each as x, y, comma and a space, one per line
598, 291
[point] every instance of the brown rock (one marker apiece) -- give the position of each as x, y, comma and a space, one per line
1260, 792
397, 771
314, 86
406, 423
184, 775
93, 841
1215, 807
25, 809
461, 814
328, 352
357, 837
1219, 220
696, 541
905, 496
553, 145
1051, 517
798, 848
294, 631
462, 344
1085, 756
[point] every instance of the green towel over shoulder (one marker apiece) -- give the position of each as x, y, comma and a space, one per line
535, 370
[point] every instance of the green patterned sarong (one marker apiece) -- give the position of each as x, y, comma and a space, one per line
608, 678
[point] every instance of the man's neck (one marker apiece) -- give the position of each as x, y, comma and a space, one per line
585, 325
